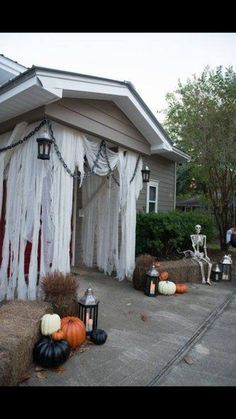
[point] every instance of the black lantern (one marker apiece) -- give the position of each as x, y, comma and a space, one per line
151, 283
44, 146
88, 310
226, 268
146, 174
216, 273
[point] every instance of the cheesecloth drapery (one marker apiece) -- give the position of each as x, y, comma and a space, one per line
39, 202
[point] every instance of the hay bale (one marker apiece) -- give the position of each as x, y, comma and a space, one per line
19, 331
142, 264
5, 368
183, 270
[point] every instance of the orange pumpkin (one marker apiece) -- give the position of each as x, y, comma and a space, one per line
164, 276
181, 288
59, 335
74, 331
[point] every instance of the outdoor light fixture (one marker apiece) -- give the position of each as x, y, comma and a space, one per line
216, 273
44, 145
226, 267
151, 283
88, 310
146, 174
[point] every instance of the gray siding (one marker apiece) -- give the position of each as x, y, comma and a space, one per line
78, 229
32, 116
162, 170
101, 118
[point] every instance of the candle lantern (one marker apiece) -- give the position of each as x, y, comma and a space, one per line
44, 145
216, 273
226, 268
151, 282
88, 310
146, 174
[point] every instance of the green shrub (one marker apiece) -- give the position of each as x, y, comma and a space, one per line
165, 234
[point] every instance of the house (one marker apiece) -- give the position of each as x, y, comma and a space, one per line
190, 204
80, 204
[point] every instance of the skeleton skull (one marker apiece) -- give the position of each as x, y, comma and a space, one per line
198, 228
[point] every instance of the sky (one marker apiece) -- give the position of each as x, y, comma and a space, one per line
153, 62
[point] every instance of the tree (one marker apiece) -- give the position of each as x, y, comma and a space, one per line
201, 119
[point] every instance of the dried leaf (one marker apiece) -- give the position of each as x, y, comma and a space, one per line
188, 360
58, 369
40, 375
89, 342
83, 350
25, 377
144, 317
37, 369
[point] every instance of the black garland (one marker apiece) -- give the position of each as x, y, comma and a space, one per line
24, 139
102, 148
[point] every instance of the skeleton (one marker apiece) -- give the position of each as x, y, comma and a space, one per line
198, 242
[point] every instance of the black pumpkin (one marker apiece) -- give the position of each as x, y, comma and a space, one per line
233, 240
98, 336
49, 353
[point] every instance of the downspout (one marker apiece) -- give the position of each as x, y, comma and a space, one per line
175, 187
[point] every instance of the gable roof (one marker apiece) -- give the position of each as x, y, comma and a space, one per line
40, 86
9, 69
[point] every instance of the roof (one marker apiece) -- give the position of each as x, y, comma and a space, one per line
40, 86
191, 202
9, 69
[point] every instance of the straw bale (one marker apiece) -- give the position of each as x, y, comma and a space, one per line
182, 270
19, 331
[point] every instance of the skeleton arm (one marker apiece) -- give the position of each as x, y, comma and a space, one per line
194, 242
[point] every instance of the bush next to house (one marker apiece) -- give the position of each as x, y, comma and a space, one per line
165, 234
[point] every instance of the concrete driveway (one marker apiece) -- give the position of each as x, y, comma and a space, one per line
148, 338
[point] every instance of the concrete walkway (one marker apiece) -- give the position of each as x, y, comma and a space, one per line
149, 337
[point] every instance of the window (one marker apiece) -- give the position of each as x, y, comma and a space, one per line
152, 197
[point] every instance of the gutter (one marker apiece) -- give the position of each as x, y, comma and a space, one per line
32, 72
27, 74
18, 80
149, 112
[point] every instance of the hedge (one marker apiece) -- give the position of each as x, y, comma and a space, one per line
165, 234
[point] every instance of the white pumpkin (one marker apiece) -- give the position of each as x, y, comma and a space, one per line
50, 323
166, 287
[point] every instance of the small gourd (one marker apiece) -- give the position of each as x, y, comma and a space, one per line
98, 336
164, 276
50, 323
181, 288
59, 335
166, 287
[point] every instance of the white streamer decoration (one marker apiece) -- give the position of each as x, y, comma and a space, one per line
39, 204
